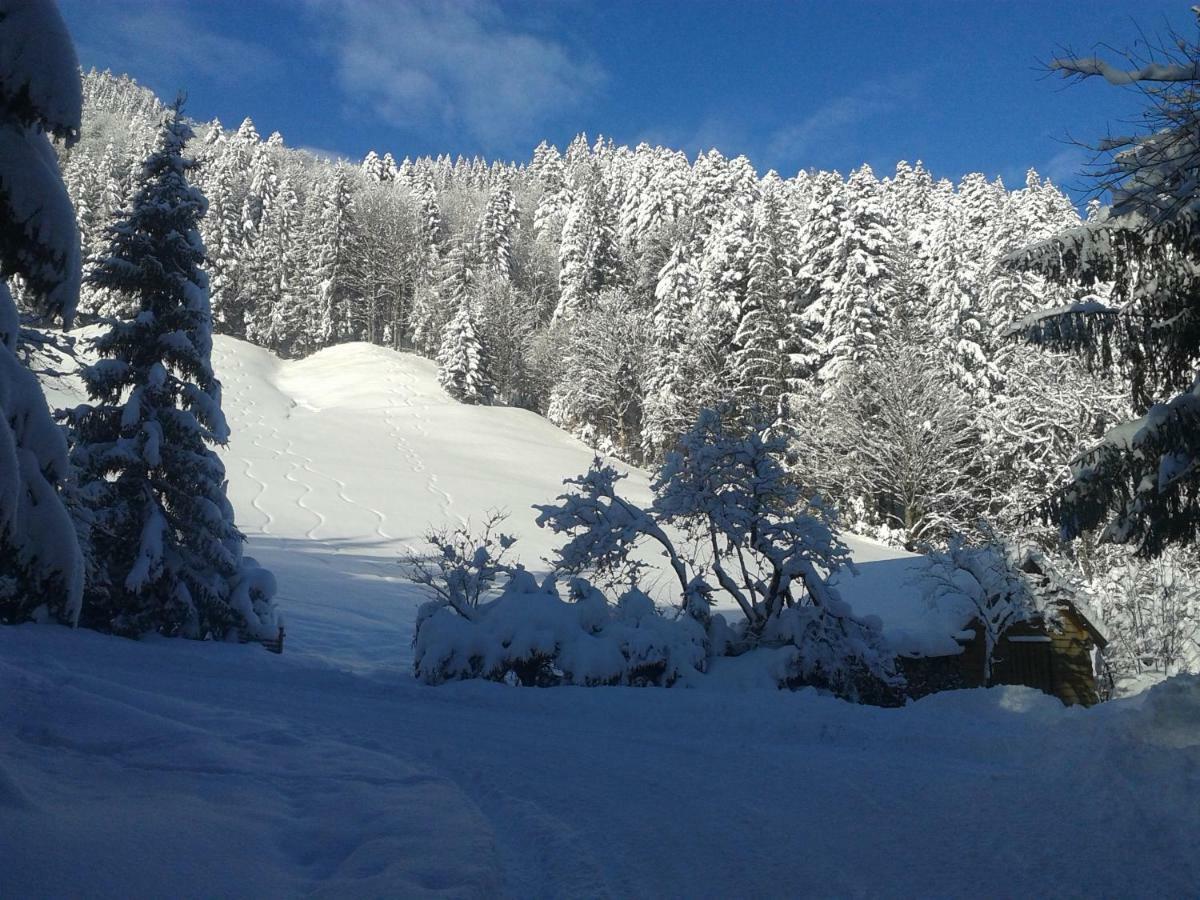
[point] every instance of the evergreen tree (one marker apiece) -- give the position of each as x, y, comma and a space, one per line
462, 362
589, 256
41, 568
164, 528
221, 230
848, 279
276, 317
758, 365
494, 236
555, 198
1141, 483
668, 385
334, 233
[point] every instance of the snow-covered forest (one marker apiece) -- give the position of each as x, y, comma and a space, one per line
855, 499
619, 291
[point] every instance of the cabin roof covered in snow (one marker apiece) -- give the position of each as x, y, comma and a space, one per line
919, 619
895, 586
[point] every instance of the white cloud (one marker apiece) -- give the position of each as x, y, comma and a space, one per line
455, 64
164, 41
1068, 168
834, 121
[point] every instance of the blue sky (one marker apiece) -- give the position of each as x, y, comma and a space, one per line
790, 84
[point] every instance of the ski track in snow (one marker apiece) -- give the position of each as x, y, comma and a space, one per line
261, 434
402, 397
251, 406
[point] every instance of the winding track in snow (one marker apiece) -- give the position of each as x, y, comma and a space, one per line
407, 393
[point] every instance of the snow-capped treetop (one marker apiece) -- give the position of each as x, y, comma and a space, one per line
39, 92
39, 71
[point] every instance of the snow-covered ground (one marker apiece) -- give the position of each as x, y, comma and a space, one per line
185, 769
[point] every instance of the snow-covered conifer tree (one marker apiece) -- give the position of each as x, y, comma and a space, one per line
759, 369
276, 316
555, 197
494, 236
589, 256
164, 528
334, 232
1141, 483
462, 360
41, 569
668, 386
847, 278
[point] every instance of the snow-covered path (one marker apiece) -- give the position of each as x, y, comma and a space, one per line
176, 768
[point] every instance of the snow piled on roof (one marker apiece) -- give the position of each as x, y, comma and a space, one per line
895, 586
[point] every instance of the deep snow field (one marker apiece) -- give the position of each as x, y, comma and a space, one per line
174, 768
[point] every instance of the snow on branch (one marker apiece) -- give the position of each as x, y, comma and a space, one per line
1091, 65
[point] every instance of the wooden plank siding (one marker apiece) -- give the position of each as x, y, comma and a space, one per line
1054, 657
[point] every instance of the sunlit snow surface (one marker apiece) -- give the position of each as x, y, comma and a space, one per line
173, 768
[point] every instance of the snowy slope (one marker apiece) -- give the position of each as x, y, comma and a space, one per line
185, 769
348, 455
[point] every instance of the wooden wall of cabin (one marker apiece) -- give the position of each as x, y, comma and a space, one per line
1074, 673
1060, 666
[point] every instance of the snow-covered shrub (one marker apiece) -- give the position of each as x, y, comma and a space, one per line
464, 562
831, 649
767, 547
989, 575
531, 635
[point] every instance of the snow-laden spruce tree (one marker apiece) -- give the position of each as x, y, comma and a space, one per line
605, 356
667, 380
1141, 483
846, 283
462, 360
41, 570
163, 527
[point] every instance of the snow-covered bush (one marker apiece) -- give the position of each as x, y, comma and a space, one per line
464, 563
989, 575
531, 635
830, 648
751, 534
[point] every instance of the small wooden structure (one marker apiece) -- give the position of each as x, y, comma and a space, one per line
1055, 651
1056, 647
275, 644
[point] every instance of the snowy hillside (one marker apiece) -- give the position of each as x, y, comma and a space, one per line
342, 459
198, 769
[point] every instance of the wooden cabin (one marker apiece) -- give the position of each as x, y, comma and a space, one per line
1056, 648
1054, 651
